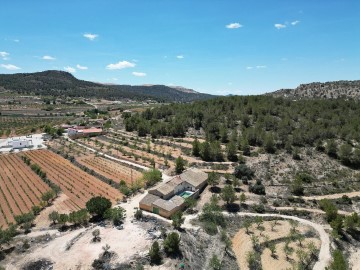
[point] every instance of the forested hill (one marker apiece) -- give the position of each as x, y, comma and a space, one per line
59, 83
263, 121
337, 89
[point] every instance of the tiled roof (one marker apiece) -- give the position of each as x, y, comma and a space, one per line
149, 199
194, 176
169, 205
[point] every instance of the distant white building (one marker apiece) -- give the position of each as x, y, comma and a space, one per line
20, 143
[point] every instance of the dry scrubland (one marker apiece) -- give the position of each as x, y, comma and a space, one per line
243, 245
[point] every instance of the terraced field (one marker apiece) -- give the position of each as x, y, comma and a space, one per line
20, 188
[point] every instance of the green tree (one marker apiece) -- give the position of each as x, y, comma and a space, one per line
243, 170
63, 218
242, 198
177, 220
138, 214
154, 253
228, 194
297, 187
116, 215
247, 224
352, 222
54, 216
329, 208
338, 262
269, 144
196, 148
345, 153
213, 179
205, 151
272, 248
236, 183
172, 243
151, 177
190, 203
331, 148
98, 205
47, 196
180, 164
231, 151
36, 209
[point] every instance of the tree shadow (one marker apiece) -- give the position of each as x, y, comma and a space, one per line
215, 189
233, 207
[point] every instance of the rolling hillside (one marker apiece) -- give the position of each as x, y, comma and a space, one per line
60, 83
332, 90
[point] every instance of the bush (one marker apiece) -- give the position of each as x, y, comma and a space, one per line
152, 177
297, 187
258, 188
210, 228
215, 263
243, 170
329, 208
259, 208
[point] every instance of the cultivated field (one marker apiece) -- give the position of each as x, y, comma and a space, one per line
75, 183
110, 169
20, 188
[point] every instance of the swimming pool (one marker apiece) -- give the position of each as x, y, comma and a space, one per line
186, 194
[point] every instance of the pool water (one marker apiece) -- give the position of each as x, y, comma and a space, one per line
186, 194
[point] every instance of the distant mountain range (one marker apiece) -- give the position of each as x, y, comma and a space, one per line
337, 89
60, 83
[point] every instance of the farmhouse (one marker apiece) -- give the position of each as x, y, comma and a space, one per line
170, 196
19, 143
86, 132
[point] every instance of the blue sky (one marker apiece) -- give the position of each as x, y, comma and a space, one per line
213, 46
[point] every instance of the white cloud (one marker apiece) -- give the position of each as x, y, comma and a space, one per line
16, 40
4, 55
48, 57
120, 65
180, 57
234, 26
279, 26
70, 69
90, 36
81, 67
139, 74
295, 22
10, 67
256, 67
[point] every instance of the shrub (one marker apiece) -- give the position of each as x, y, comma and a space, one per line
243, 170
258, 188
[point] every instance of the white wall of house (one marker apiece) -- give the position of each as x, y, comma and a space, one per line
18, 144
183, 186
